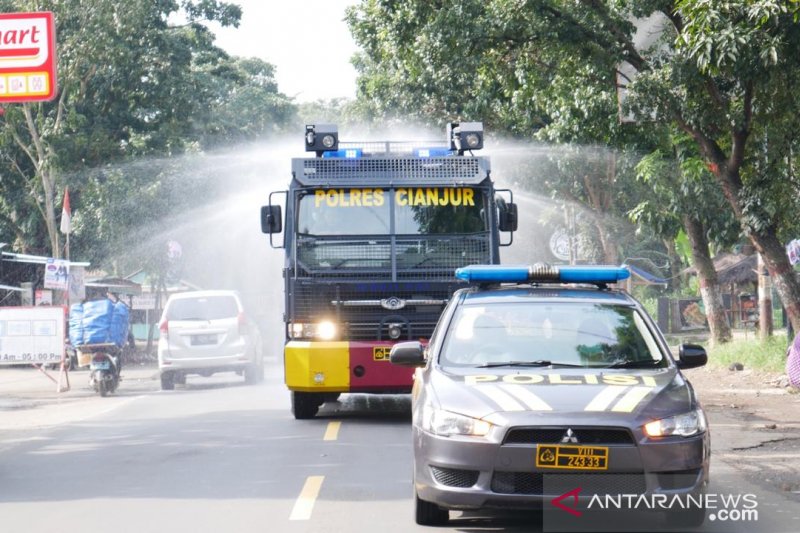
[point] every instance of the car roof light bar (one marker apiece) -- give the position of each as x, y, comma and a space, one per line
539, 273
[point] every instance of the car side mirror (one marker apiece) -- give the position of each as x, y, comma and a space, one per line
409, 353
691, 356
508, 218
271, 219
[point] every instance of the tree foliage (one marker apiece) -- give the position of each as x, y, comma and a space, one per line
723, 73
137, 79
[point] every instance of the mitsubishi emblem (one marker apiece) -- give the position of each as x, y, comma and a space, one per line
569, 437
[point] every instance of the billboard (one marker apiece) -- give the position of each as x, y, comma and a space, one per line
27, 57
31, 334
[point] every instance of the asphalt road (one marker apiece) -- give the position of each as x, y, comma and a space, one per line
221, 456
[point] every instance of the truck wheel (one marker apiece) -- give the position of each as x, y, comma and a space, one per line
305, 405
167, 381
429, 514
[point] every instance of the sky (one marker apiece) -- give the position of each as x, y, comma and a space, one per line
307, 41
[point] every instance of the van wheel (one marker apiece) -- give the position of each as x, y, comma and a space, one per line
167, 381
251, 376
305, 405
429, 514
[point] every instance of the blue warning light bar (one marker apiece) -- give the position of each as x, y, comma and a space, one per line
344, 153
539, 273
433, 152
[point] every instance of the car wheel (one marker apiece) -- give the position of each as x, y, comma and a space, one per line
167, 381
251, 376
429, 514
305, 405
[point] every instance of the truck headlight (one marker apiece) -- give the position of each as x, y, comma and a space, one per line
685, 425
447, 423
325, 330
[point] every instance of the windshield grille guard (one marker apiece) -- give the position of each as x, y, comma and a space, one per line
388, 257
378, 172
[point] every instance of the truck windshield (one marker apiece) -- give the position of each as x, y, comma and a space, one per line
351, 231
418, 211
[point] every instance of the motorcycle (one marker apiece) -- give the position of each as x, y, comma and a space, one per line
104, 367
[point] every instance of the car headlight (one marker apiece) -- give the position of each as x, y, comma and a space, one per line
324, 330
685, 425
447, 423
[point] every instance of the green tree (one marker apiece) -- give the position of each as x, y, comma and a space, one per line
722, 72
139, 79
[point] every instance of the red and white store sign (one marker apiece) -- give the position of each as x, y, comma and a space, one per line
27, 57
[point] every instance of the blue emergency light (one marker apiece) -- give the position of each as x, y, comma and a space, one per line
344, 153
439, 151
539, 273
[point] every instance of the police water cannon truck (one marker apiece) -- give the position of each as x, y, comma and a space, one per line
372, 233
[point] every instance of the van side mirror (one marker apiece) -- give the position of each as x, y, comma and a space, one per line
408, 353
691, 356
271, 219
508, 218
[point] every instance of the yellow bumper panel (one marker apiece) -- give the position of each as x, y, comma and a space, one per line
317, 366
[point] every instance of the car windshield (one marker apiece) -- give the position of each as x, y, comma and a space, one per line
202, 308
549, 334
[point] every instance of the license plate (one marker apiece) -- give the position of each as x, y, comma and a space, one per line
100, 365
204, 339
572, 457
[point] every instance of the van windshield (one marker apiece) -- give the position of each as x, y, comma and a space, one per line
203, 308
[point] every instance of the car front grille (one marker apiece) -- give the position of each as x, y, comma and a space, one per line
537, 483
586, 436
453, 477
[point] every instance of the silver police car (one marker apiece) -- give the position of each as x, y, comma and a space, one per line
541, 379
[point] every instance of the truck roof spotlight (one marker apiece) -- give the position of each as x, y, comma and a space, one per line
321, 138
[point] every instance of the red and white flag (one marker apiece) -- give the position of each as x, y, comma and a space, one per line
66, 214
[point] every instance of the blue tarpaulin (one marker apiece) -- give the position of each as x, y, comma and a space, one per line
98, 322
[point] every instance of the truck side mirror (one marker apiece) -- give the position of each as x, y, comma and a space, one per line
508, 218
408, 353
691, 356
271, 219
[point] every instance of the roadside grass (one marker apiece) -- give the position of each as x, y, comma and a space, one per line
754, 354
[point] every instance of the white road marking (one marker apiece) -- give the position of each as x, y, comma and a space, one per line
308, 496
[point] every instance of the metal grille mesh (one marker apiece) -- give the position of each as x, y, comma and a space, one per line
537, 483
313, 300
554, 435
405, 170
428, 257
453, 477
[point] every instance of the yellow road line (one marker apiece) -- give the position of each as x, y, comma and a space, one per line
332, 433
308, 496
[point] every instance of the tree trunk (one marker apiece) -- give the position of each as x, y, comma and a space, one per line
781, 272
767, 244
709, 286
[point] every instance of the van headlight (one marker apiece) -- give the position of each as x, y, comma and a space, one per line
325, 330
447, 423
685, 425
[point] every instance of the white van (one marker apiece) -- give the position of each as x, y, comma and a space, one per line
204, 332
